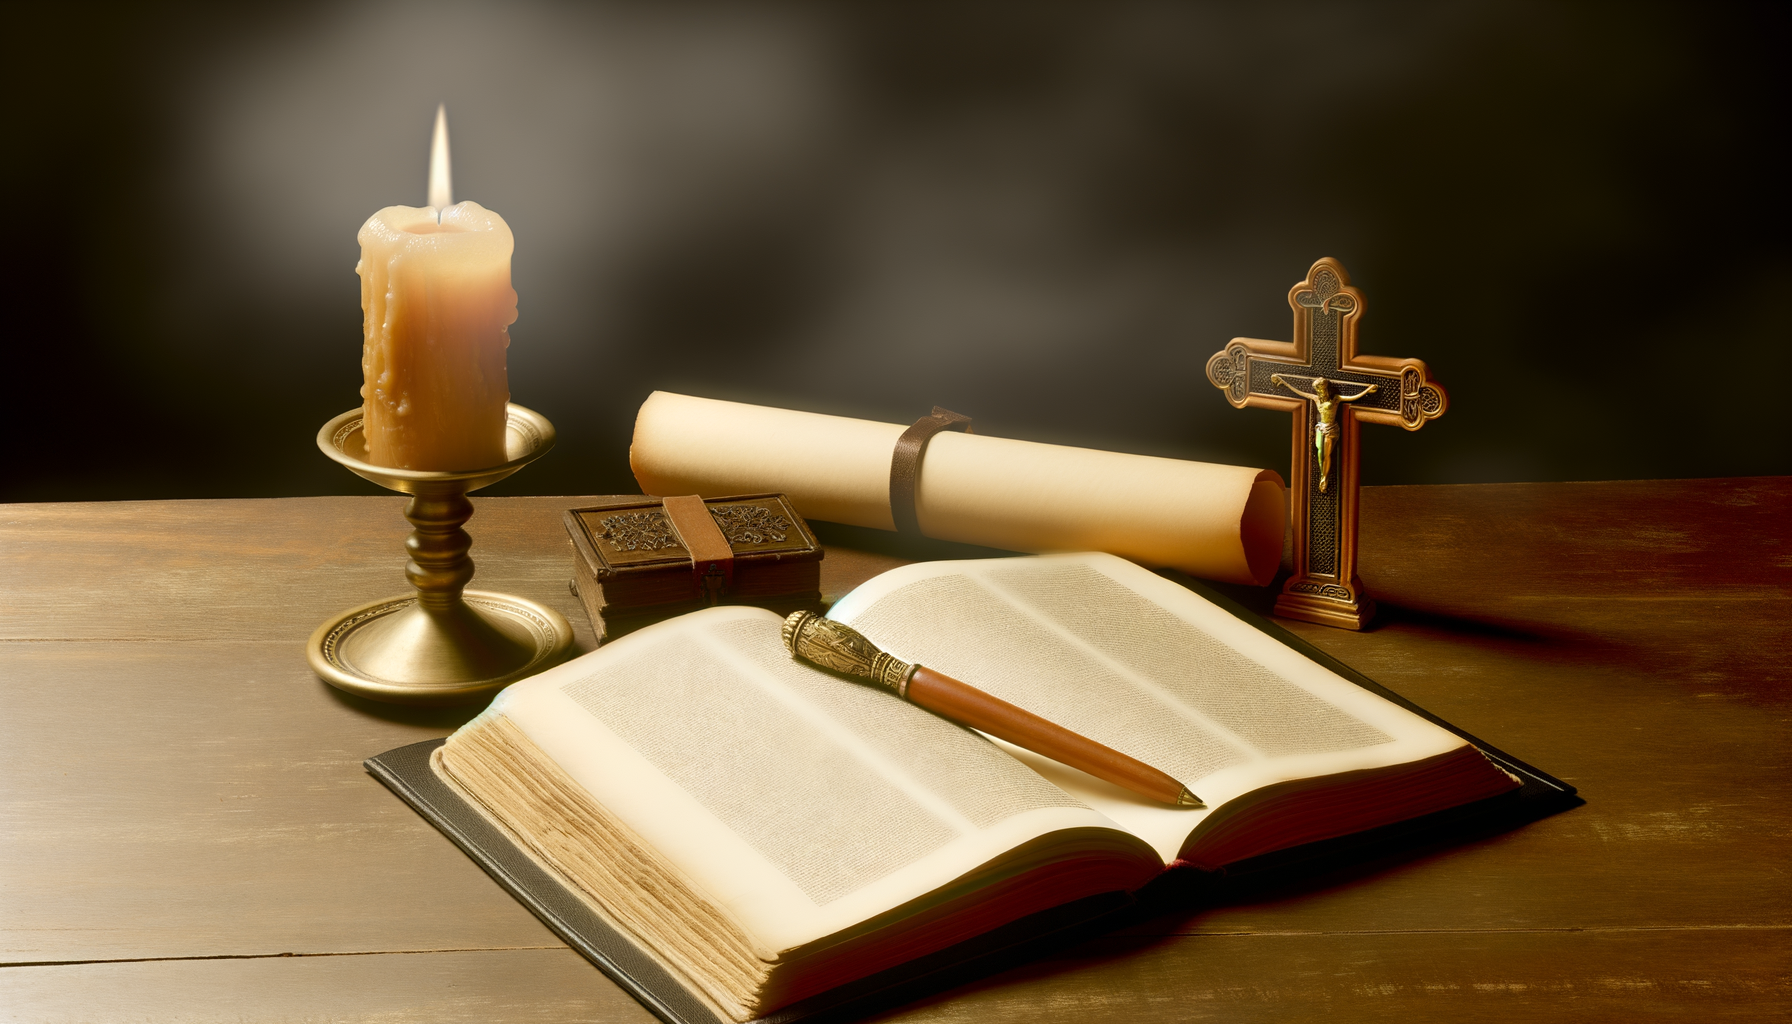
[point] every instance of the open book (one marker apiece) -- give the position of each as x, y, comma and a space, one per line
766, 831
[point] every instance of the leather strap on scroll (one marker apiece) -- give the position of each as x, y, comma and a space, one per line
712, 557
905, 464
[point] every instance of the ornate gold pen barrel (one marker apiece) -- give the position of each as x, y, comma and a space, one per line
841, 648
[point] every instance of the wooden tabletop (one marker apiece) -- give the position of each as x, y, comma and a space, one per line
188, 833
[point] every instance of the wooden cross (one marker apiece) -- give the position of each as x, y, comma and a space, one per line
1320, 378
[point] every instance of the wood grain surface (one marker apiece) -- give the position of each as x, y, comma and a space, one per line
186, 832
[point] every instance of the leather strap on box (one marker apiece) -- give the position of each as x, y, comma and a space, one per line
712, 557
905, 464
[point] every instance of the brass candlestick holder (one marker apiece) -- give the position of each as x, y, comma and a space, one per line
444, 644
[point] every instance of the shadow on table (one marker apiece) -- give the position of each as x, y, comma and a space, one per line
1549, 641
448, 718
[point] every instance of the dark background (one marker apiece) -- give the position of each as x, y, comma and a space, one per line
1047, 216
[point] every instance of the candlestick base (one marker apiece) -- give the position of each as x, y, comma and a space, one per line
443, 644
394, 650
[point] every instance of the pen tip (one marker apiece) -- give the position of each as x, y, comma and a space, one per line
1188, 799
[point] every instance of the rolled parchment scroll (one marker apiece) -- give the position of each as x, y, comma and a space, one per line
1218, 522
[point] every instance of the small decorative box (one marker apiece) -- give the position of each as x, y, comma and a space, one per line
639, 560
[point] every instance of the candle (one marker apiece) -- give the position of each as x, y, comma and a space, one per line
437, 302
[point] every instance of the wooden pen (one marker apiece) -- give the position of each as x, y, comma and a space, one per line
832, 645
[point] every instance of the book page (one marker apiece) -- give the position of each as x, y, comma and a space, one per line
799, 802
1134, 661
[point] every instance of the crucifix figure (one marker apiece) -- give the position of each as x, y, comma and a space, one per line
1320, 378
1325, 435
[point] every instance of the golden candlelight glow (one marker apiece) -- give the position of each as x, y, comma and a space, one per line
441, 184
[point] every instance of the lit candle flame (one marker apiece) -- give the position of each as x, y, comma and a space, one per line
441, 192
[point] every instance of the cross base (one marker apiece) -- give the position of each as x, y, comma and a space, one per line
1327, 604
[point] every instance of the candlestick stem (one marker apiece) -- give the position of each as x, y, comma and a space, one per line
439, 567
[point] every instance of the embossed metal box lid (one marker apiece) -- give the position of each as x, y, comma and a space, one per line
631, 566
